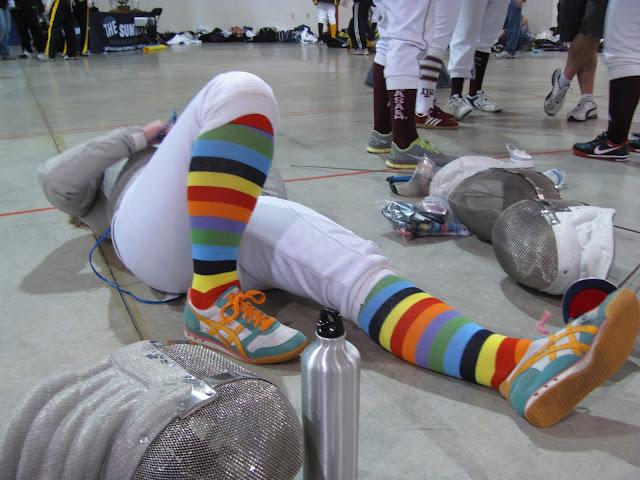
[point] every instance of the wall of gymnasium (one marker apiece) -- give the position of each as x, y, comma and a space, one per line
182, 15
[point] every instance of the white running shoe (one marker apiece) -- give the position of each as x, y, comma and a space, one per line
555, 100
585, 110
481, 102
459, 107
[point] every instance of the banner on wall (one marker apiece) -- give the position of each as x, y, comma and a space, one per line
115, 31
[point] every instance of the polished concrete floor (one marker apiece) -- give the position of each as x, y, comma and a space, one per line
57, 315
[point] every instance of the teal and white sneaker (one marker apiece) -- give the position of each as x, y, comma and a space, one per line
560, 369
379, 142
412, 155
235, 327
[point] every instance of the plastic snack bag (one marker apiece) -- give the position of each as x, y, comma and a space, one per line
429, 217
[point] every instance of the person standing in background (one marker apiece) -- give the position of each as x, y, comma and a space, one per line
580, 22
405, 30
622, 54
61, 13
25, 16
428, 115
478, 28
81, 12
360, 26
512, 26
327, 12
5, 29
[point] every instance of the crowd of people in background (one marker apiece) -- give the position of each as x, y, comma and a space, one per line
44, 28
468, 29
404, 89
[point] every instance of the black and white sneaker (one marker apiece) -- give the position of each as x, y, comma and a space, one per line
634, 144
602, 148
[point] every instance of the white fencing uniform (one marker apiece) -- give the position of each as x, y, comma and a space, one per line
478, 28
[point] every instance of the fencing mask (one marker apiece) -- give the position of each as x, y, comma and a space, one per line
453, 173
549, 245
478, 200
154, 410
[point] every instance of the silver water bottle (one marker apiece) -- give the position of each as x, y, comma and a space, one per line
330, 402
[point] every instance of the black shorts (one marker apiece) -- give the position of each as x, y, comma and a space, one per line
581, 16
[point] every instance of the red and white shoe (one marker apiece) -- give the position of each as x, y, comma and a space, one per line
436, 120
442, 113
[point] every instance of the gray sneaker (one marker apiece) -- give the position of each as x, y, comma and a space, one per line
585, 110
555, 100
379, 142
412, 155
459, 107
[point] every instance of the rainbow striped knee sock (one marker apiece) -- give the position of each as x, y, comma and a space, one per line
423, 330
228, 169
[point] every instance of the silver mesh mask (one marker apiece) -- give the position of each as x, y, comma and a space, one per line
548, 245
151, 410
478, 200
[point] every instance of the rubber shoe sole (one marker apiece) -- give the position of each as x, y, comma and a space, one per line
219, 347
608, 351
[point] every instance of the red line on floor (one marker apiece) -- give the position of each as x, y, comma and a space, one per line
303, 179
339, 175
27, 211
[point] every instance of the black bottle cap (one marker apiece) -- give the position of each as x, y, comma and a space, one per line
330, 324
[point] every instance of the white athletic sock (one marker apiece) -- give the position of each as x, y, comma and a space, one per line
429, 73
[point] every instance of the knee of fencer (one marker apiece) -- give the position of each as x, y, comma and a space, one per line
233, 94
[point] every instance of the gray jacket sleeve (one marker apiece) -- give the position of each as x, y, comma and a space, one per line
72, 179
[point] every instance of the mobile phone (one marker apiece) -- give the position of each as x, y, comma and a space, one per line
163, 133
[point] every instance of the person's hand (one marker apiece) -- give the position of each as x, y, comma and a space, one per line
155, 131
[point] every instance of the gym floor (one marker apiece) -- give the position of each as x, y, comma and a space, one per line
57, 315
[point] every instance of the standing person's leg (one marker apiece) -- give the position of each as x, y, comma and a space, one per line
69, 27
622, 55
25, 41
30, 12
179, 226
322, 18
81, 13
59, 10
5, 28
512, 34
360, 24
543, 380
461, 52
331, 15
427, 114
491, 28
410, 29
381, 136
580, 22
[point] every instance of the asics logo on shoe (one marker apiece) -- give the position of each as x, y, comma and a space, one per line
604, 151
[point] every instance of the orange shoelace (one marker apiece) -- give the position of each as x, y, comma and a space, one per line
240, 303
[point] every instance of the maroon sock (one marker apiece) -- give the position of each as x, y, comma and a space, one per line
480, 60
624, 94
403, 120
381, 110
456, 86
